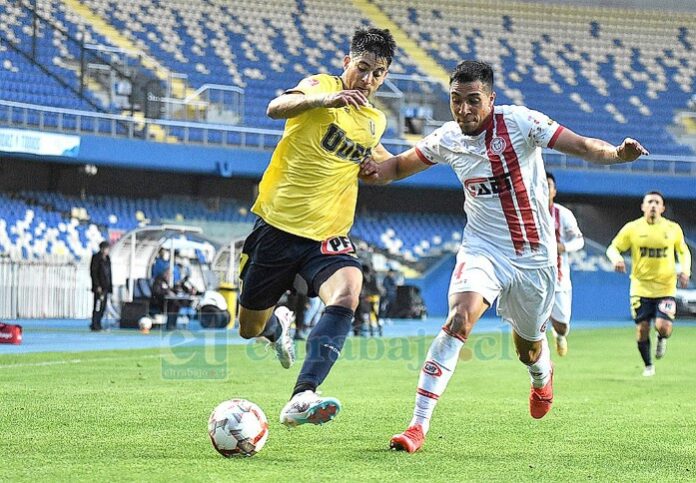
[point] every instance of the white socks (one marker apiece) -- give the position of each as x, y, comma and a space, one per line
439, 366
540, 371
437, 370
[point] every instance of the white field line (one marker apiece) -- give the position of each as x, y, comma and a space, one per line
74, 361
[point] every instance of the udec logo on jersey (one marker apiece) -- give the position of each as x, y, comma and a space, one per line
337, 142
498, 145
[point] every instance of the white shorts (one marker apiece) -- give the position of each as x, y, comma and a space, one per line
562, 301
526, 295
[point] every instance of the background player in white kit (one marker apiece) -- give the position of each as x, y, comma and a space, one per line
508, 249
568, 239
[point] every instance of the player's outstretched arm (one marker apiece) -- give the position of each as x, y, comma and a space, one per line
397, 167
598, 151
292, 104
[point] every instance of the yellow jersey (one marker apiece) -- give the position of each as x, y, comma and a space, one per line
653, 248
310, 187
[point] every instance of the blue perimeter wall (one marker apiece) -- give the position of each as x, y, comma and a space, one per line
228, 162
596, 295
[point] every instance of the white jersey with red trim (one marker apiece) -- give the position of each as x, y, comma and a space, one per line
568, 233
501, 169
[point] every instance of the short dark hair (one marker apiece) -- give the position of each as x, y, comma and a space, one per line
549, 175
376, 41
472, 71
103, 245
655, 192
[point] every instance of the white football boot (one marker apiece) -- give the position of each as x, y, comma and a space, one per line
649, 371
308, 407
561, 343
661, 348
284, 346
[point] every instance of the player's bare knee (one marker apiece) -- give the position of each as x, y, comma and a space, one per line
664, 327
461, 321
643, 331
345, 298
529, 355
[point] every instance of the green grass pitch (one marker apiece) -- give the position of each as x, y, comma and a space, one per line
116, 416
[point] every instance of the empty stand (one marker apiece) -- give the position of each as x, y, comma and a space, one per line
606, 73
263, 47
21, 79
34, 225
603, 72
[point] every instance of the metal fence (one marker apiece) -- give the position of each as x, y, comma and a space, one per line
32, 116
45, 289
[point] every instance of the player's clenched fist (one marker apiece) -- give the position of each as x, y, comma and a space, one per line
620, 266
369, 170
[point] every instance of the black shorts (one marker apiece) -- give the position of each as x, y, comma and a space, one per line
271, 258
645, 308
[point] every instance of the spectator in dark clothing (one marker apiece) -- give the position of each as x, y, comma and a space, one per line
389, 284
367, 314
160, 264
100, 272
159, 303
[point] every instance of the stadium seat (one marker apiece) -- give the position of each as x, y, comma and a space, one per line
22, 80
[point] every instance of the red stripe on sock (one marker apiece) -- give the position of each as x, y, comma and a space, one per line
453, 334
428, 394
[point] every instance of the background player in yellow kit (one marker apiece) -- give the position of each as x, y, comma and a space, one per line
653, 241
306, 207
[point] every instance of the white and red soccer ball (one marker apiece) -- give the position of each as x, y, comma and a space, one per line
238, 428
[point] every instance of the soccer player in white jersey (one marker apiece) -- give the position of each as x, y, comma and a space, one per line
508, 248
568, 239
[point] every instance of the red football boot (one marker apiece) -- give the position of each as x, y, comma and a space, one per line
541, 399
410, 440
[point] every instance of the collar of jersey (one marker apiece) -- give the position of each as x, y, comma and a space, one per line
655, 223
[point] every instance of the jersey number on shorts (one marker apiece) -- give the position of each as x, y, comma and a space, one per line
667, 307
337, 246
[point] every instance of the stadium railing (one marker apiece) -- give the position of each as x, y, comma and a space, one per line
16, 114
44, 289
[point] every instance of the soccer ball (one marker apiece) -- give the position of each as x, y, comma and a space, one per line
238, 428
145, 324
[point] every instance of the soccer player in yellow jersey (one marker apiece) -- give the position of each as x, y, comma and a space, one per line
653, 241
306, 206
